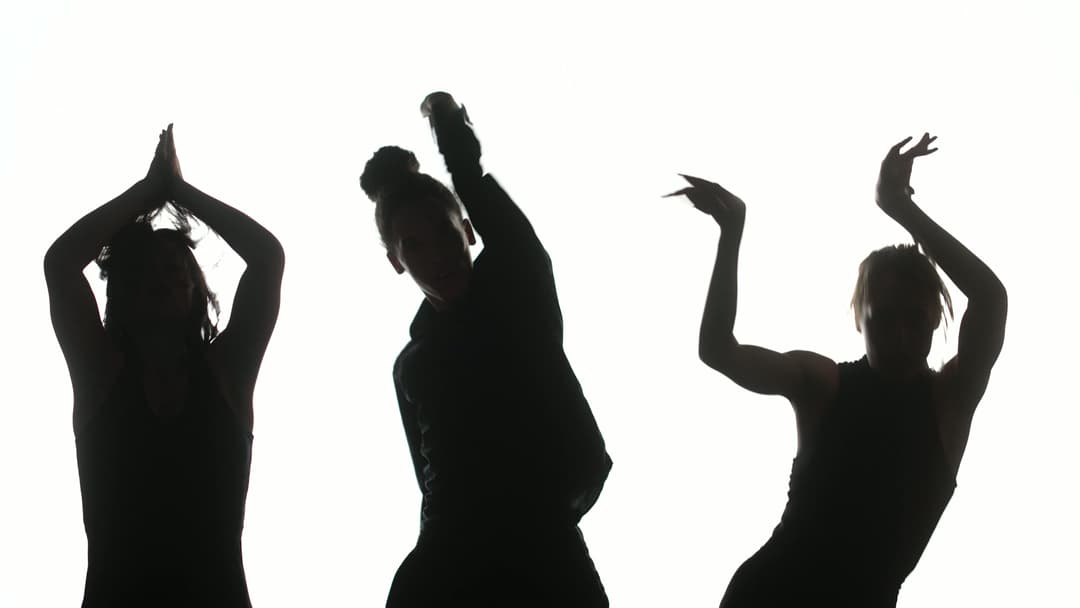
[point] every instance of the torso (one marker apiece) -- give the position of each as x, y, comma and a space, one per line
870, 480
953, 417
499, 407
164, 481
165, 389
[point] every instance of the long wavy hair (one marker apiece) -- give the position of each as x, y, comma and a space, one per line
121, 264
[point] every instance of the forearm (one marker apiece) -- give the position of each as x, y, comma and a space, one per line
494, 215
973, 277
717, 339
497, 218
255, 244
83, 241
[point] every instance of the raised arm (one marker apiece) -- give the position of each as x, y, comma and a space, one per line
492, 212
800, 376
982, 327
241, 345
75, 316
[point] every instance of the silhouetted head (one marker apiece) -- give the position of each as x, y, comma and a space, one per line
899, 301
155, 285
421, 225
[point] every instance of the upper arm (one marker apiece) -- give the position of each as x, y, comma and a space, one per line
495, 216
801, 376
241, 345
981, 337
77, 324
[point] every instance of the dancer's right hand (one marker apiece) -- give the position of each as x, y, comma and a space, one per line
709, 197
436, 102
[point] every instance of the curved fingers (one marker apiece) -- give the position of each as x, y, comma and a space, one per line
895, 150
709, 186
922, 148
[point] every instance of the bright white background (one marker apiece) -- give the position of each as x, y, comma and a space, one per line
586, 112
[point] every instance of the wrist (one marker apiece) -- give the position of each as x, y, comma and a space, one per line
730, 230
149, 187
901, 209
178, 188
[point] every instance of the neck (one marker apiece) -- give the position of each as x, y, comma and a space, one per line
161, 347
903, 374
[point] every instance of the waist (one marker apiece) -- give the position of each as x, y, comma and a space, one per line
500, 533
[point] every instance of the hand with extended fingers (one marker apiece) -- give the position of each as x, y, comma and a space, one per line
727, 209
894, 181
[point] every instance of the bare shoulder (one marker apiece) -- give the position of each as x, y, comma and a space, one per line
820, 373
820, 377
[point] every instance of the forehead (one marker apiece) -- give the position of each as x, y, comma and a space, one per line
423, 217
890, 289
162, 252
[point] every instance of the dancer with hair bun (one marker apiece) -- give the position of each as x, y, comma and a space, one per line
879, 439
163, 403
507, 454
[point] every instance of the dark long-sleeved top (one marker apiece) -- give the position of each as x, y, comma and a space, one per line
499, 429
163, 498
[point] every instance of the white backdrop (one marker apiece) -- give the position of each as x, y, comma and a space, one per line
586, 112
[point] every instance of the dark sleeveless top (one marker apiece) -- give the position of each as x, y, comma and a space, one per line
163, 498
865, 494
500, 431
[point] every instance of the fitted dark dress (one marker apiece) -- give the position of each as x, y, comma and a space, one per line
505, 448
163, 498
865, 495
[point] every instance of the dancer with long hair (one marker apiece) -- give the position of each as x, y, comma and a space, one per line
163, 408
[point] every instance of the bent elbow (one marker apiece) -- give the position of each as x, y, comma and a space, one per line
271, 256
276, 255
716, 356
996, 301
57, 262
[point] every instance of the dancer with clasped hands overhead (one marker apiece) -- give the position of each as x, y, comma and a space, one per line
163, 403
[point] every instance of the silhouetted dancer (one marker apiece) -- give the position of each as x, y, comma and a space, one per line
506, 451
163, 403
880, 439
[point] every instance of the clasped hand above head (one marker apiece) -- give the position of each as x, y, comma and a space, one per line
164, 174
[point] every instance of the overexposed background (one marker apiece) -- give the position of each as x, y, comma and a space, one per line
586, 112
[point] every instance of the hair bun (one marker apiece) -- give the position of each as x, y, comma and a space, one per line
389, 166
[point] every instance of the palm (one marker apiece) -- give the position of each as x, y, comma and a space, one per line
173, 163
709, 197
894, 180
157, 175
